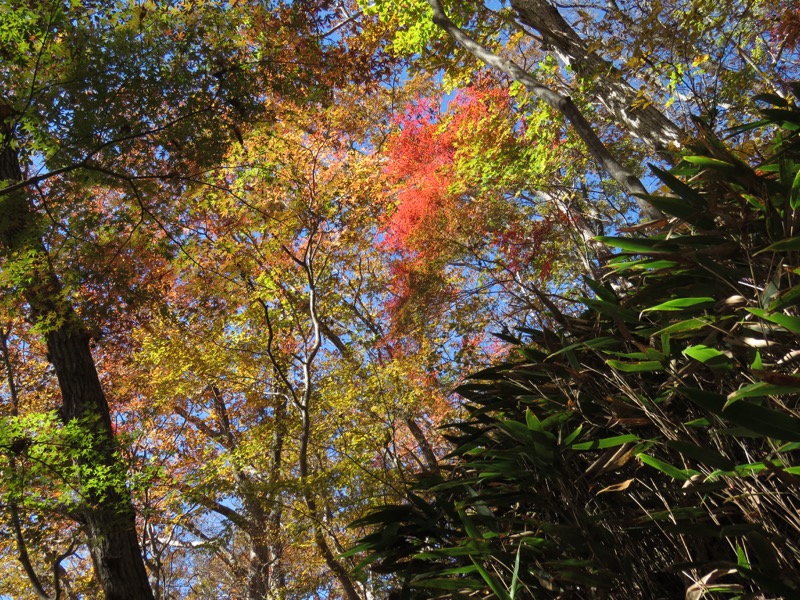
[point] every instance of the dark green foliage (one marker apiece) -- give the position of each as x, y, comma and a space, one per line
649, 447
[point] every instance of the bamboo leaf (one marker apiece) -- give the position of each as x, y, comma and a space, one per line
791, 323
789, 244
447, 584
515, 575
713, 163
662, 466
794, 201
635, 367
600, 342
688, 325
708, 356
679, 207
493, 583
573, 436
686, 192
759, 390
606, 442
603, 292
758, 419
682, 304
786, 298
612, 310
707, 456
639, 245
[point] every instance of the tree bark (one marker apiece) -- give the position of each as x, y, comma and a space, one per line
642, 120
106, 511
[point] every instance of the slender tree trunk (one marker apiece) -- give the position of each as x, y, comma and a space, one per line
338, 570
304, 406
423, 443
106, 511
275, 515
643, 120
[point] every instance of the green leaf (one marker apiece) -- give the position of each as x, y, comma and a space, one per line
709, 356
573, 436
789, 322
469, 526
447, 584
533, 421
609, 442
758, 419
759, 390
515, 575
662, 466
635, 367
491, 581
678, 207
603, 292
516, 430
698, 423
741, 557
790, 116
683, 190
713, 163
785, 298
651, 354
775, 586
600, 342
765, 558
612, 310
682, 304
649, 264
688, 325
639, 245
457, 570
707, 456
789, 244
532, 354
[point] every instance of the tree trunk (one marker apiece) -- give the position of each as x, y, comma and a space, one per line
642, 120
258, 572
106, 512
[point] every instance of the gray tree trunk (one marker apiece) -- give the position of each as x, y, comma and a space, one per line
106, 512
610, 89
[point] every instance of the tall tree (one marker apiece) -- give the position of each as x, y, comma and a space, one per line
105, 510
123, 99
283, 404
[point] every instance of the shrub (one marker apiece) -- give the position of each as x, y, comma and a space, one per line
647, 448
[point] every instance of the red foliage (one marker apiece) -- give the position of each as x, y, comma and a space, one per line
420, 157
788, 28
421, 160
523, 246
435, 215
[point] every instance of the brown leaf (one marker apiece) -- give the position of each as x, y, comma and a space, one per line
618, 487
777, 378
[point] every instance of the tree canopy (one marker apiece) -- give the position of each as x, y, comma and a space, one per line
305, 299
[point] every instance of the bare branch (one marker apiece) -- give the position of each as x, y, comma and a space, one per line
23, 556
